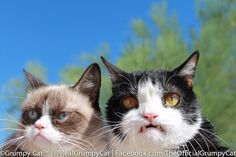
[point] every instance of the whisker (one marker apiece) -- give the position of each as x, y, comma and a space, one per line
12, 129
73, 144
193, 147
113, 140
205, 138
11, 142
121, 140
80, 142
198, 144
204, 130
18, 122
19, 145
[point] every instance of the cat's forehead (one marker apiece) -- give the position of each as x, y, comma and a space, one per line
57, 97
156, 77
160, 80
148, 86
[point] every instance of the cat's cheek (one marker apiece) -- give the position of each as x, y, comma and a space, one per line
178, 130
172, 120
31, 133
52, 135
187, 131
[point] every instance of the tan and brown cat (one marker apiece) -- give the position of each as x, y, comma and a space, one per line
59, 120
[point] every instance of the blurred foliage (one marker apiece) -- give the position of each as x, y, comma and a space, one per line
162, 45
216, 82
15, 90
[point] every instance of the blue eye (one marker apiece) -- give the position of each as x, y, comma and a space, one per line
63, 116
32, 114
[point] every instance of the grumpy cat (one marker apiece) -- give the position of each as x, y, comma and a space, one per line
59, 119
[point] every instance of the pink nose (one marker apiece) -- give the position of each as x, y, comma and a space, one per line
150, 116
39, 126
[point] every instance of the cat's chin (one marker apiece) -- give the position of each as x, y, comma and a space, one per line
42, 139
42, 142
151, 140
152, 134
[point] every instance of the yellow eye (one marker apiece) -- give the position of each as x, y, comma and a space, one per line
130, 102
171, 99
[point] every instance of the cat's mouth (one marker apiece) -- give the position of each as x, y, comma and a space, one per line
151, 126
41, 137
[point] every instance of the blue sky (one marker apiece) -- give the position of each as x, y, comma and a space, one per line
56, 32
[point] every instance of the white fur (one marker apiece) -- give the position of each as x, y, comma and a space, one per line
188, 69
88, 84
177, 131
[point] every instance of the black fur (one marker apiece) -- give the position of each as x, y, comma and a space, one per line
125, 84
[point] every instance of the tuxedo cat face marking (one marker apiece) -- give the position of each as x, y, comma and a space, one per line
59, 116
167, 113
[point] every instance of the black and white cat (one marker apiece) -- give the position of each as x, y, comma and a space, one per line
153, 112
59, 120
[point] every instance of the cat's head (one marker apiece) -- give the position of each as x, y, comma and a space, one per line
154, 109
60, 116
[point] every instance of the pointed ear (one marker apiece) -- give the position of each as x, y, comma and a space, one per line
90, 82
116, 74
33, 81
188, 68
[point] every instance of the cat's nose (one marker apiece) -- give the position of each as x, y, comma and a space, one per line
39, 126
150, 116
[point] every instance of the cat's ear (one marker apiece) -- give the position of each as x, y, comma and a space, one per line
34, 82
116, 74
90, 82
188, 68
